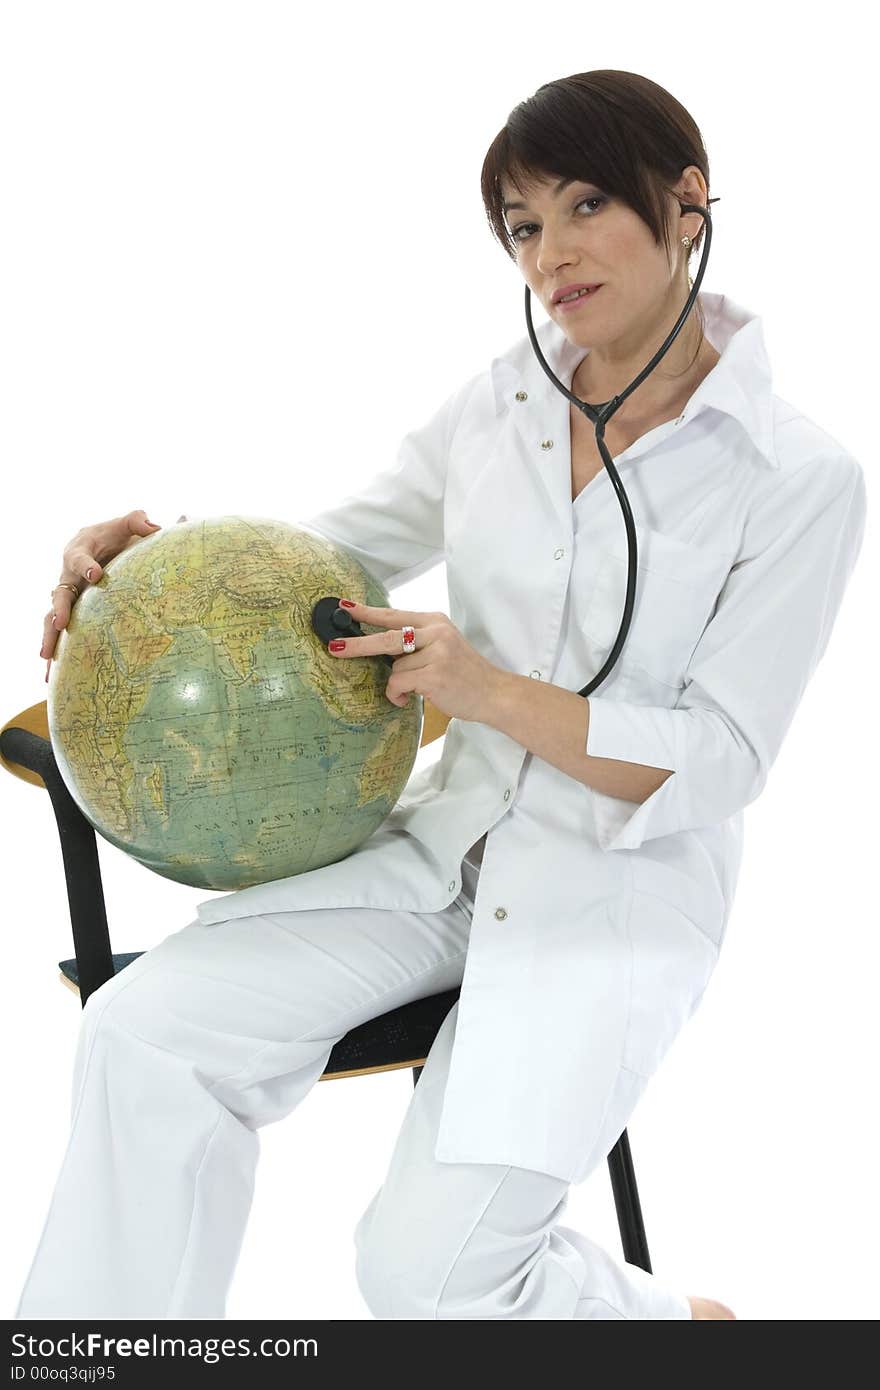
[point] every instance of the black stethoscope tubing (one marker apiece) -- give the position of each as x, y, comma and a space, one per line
329, 620
600, 415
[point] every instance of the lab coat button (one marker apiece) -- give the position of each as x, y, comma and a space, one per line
522, 395
507, 794
558, 554
452, 885
501, 913
535, 675
546, 443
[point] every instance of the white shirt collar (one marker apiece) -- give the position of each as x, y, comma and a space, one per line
740, 383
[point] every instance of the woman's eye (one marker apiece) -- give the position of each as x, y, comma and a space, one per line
523, 226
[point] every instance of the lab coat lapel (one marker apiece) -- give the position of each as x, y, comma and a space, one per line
509, 545
539, 414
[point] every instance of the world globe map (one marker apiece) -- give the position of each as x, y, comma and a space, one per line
198, 720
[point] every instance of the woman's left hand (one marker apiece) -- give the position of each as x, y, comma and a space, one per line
444, 668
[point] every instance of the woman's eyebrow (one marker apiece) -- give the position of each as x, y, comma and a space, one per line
557, 189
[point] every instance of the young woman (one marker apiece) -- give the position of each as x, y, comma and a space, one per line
569, 862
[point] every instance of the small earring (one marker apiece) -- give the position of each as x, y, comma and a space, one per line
686, 243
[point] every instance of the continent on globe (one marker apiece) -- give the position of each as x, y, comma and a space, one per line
199, 722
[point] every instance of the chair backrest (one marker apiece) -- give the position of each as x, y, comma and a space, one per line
434, 724
35, 720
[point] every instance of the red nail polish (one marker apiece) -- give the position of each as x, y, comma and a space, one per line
337, 646
347, 603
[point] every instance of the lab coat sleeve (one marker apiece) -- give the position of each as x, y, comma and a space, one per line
746, 676
394, 525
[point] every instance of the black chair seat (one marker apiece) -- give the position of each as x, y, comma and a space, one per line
401, 1037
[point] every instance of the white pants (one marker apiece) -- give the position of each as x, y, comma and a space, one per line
220, 1029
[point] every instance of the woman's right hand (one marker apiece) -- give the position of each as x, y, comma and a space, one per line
82, 564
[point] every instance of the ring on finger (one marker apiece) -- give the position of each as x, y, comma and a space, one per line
72, 587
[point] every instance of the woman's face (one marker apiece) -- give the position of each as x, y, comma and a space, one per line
577, 234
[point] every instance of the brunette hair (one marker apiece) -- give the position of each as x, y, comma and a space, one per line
618, 130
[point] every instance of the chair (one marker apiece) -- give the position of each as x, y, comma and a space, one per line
402, 1037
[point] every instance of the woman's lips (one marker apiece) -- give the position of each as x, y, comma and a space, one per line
566, 306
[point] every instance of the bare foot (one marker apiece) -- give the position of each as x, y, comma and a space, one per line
709, 1308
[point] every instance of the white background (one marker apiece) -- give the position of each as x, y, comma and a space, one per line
243, 252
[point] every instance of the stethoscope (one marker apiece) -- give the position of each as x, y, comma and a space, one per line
329, 620
601, 414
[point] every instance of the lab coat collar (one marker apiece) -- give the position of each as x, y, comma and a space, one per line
740, 383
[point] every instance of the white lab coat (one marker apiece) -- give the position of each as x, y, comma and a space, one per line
598, 921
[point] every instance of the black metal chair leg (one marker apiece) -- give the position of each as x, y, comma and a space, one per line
82, 870
627, 1205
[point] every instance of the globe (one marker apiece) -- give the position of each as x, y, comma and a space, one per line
198, 720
